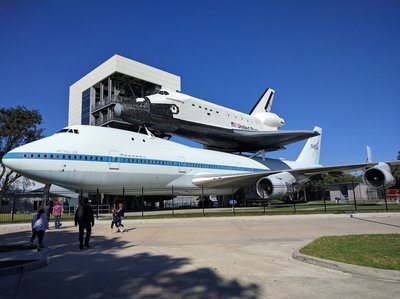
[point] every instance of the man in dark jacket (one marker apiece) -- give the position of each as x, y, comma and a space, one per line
84, 217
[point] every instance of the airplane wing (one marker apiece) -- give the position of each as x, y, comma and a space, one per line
251, 178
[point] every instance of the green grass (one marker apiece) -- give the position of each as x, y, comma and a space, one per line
378, 251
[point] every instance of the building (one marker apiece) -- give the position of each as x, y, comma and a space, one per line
93, 97
345, 192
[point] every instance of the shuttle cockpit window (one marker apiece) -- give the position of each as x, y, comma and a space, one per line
163, 92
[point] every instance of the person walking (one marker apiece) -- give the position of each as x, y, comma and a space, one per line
84, 217
121, 214
115, 220
57, 212
39, 225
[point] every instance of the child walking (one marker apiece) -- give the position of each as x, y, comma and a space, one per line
115, 220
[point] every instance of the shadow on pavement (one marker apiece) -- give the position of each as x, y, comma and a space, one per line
116, 268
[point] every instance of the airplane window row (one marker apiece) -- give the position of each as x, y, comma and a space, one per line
134, 161
64, 157
73, 131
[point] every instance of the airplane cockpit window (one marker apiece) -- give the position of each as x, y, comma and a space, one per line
163, 92
63, 131
73, 131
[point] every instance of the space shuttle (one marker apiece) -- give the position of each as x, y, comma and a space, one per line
167, 113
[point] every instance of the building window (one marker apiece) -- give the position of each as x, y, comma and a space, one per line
85, 107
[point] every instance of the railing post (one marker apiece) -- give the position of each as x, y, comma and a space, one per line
97, 201
384, 196
354, 196
13, 207
294, 205
142, 201
202, 197
172, 191
323, 196
264, 202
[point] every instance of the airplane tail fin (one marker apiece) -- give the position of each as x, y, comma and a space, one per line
264, 104
311, 151
369, 155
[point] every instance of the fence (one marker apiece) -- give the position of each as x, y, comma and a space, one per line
19, 207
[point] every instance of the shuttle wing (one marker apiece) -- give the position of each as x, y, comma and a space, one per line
250, 141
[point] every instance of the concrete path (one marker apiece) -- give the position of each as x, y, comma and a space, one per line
234, 257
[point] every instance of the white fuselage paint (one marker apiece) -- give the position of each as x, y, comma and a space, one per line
195, 110
116, 161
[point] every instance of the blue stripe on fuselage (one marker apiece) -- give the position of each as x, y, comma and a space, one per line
124, 160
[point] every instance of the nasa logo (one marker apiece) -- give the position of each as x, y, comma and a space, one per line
315, 146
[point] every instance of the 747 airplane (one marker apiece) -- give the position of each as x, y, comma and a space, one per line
114, 161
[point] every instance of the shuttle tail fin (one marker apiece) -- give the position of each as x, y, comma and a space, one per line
311, 151
264, 104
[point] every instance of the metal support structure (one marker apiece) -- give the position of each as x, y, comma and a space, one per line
101, 92
323, 196
109, 89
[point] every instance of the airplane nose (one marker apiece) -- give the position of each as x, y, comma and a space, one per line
12, 160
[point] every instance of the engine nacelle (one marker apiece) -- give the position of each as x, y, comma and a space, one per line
379, 176
276, 186
270, 119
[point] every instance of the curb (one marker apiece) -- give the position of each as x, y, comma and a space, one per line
381, 274
29, 266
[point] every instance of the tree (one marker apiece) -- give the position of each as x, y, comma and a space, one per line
18, 126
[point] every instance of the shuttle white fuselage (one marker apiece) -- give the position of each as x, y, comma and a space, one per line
214, 126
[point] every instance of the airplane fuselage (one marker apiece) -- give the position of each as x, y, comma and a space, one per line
116, 161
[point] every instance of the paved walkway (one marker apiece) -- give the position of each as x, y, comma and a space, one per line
234, 257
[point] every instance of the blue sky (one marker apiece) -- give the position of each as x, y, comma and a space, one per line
335, 64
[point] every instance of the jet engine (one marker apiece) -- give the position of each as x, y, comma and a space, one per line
276, 186
270, 119
379, 176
